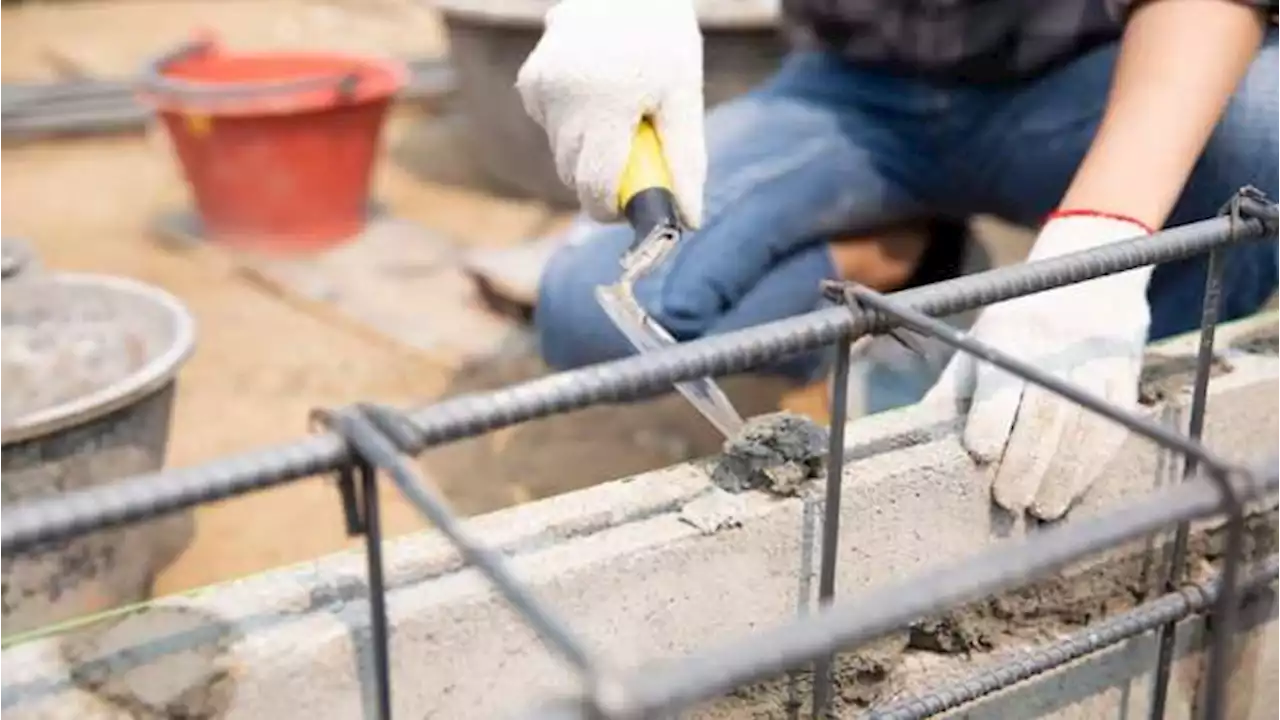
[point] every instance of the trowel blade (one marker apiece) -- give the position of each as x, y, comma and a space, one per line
646, 335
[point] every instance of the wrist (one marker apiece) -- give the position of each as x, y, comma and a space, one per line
1144, 228
1068, 230
1071, 230
1110, 182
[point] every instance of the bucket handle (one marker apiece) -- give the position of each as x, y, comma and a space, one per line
154, 82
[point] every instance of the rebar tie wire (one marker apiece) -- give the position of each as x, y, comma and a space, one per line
369, 437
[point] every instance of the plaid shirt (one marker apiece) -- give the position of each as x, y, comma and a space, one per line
962, 41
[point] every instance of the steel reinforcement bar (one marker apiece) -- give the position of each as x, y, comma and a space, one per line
1172, 607
146, 496
370, 439
659, 689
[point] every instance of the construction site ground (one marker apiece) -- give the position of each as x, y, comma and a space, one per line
392, 318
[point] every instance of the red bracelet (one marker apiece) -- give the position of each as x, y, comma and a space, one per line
1098, 214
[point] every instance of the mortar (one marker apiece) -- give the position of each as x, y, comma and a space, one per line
489, 41
89, 371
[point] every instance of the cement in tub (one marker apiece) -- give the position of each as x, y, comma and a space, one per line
89, 366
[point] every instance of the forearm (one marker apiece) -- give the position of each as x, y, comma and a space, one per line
1179, 63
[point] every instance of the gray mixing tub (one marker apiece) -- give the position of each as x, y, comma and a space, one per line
89, 371
743, 43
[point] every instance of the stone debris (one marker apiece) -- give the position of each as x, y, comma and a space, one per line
713, 512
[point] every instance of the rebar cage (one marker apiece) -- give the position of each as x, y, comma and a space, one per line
360, 441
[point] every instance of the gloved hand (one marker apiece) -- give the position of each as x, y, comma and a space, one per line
600, 67
1046, 451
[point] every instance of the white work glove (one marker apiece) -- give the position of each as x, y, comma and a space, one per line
600, 67
1046, 451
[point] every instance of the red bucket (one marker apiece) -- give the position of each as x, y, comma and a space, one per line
278, 148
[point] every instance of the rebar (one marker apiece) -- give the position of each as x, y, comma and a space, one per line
831, 515
147, 496
358, 489
1218, 469
371, 437
986, 573
375, 433
666, 687
1133, 422
1210, 310
1173, 607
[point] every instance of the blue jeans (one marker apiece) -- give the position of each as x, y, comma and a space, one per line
824, 147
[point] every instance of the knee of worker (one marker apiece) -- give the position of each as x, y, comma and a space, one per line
571, 327
573, 330
1252, 109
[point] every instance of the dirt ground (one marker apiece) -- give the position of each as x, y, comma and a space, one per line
267, 354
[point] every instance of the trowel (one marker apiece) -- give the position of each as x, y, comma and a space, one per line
645, 198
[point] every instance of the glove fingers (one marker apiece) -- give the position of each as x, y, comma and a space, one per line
529, 87
1089, 441
1033, 444
605, 147
994, 406
679, 122
566, 135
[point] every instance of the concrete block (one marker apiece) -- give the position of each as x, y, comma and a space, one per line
643, 568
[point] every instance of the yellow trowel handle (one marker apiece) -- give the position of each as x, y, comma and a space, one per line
644, 193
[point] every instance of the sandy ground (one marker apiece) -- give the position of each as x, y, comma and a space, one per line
266, 354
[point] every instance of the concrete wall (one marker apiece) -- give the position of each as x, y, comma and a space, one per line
649, 567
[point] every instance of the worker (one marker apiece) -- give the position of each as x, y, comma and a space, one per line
1093, 120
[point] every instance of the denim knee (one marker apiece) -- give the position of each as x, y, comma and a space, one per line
1176, 290
571, 327
573, 330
